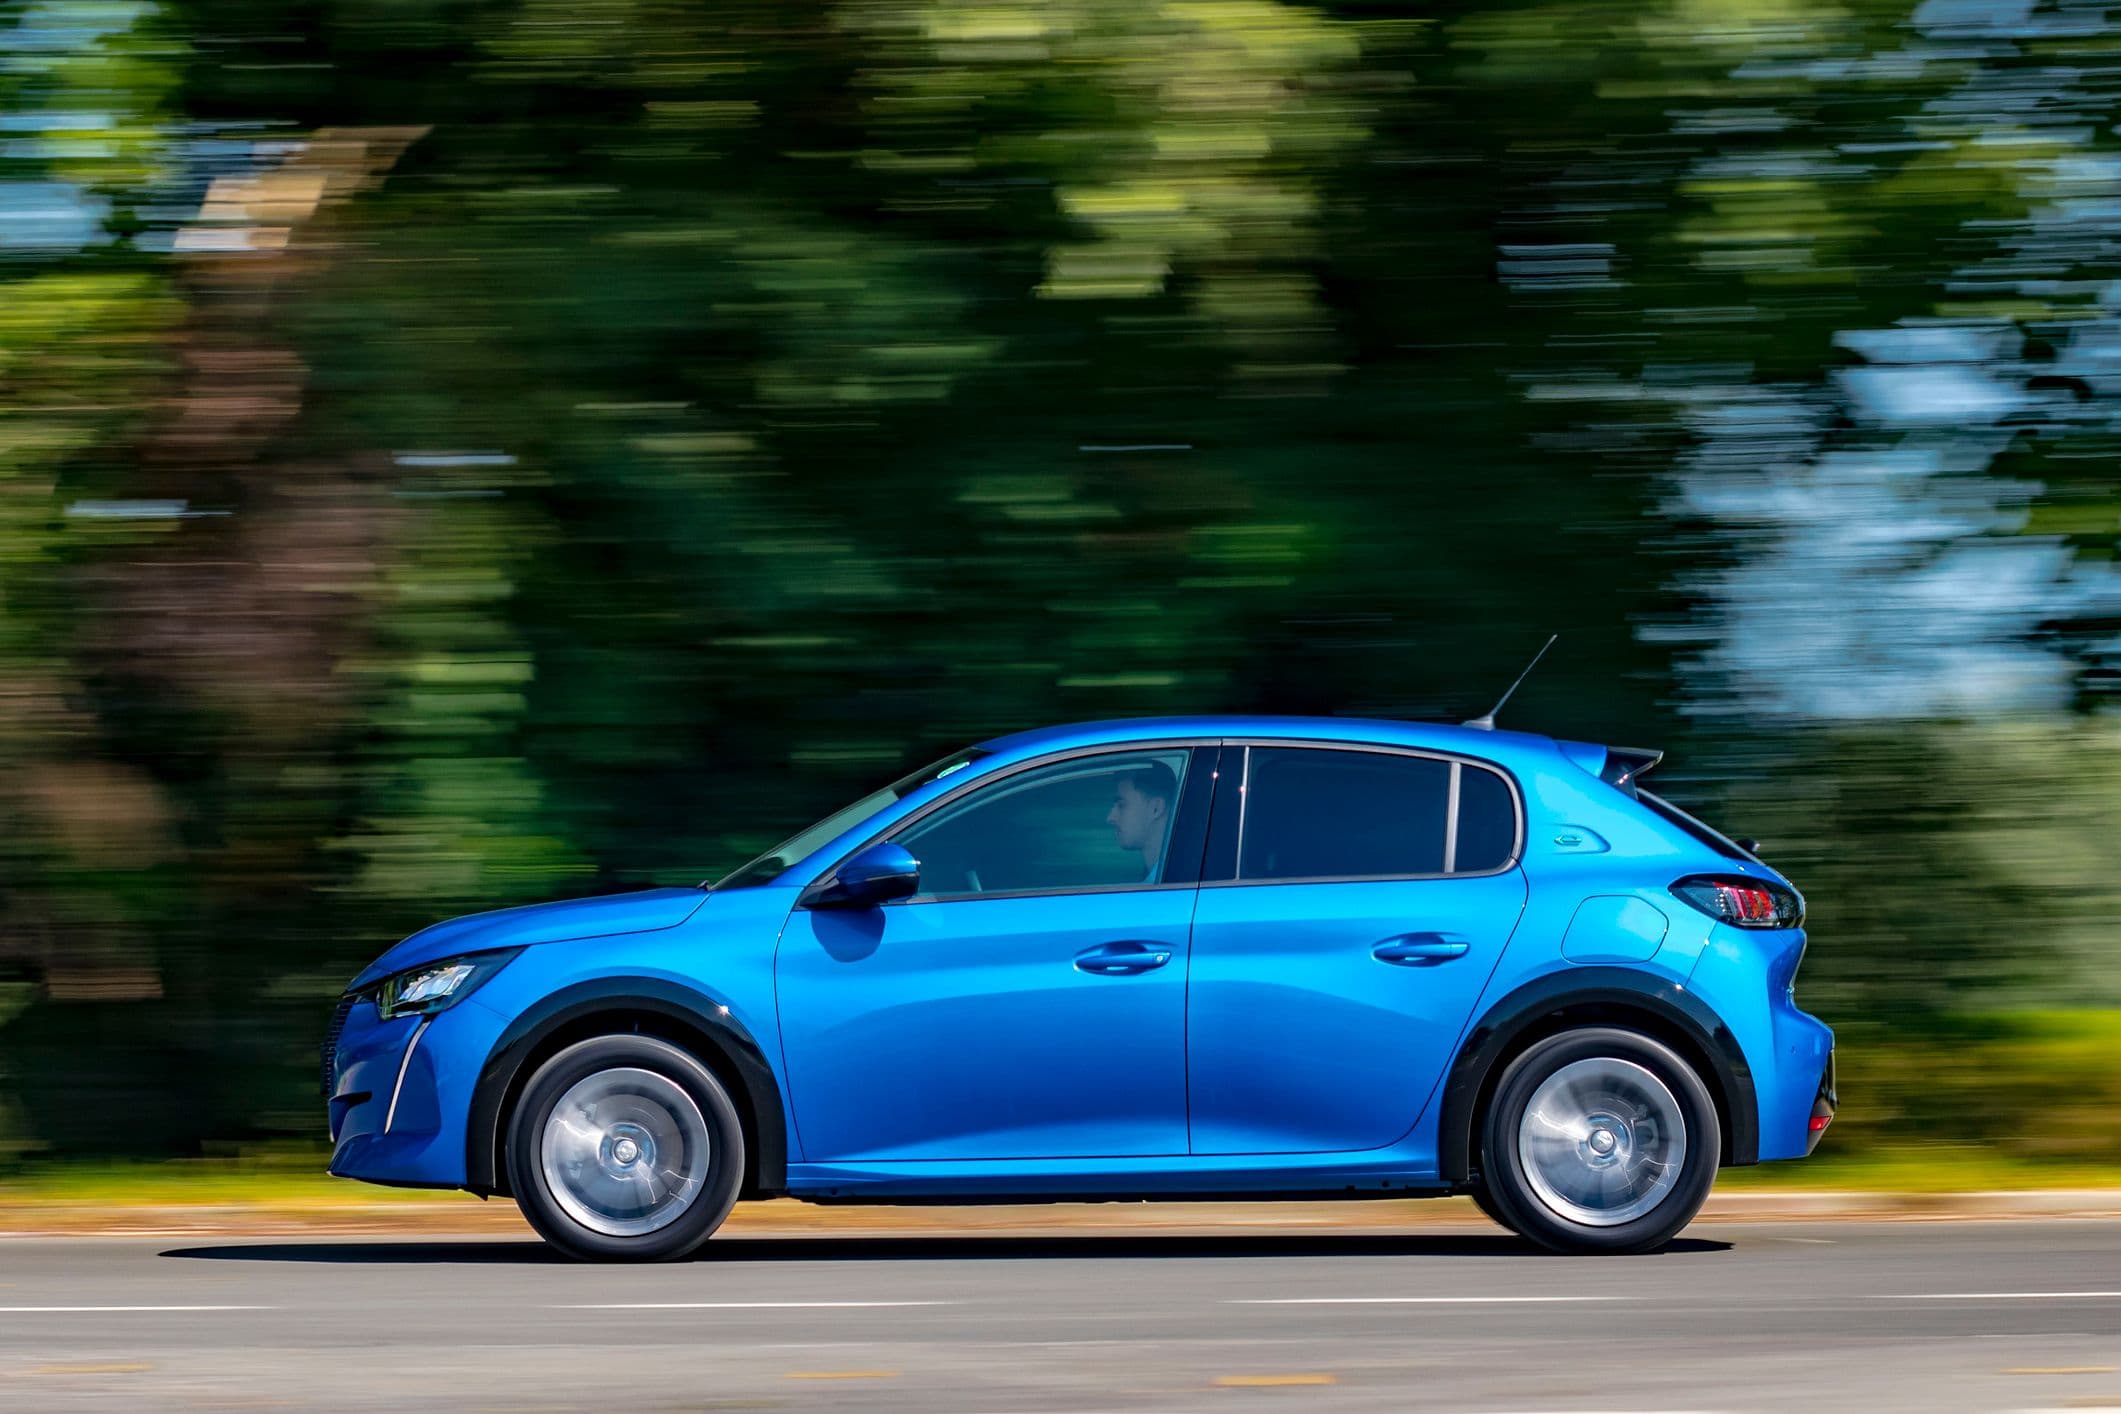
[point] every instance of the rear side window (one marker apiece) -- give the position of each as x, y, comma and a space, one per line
1313, 813
1342, 814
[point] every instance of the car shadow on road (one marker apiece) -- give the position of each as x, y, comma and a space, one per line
352, 1251
729, 1251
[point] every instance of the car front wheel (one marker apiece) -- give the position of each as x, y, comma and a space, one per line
1600, 1140
625, 1148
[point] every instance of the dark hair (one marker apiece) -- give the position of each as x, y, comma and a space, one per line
1154, 780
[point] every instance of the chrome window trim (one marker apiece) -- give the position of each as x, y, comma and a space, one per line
1458, 760
1455, 759
1348, 879
969, 897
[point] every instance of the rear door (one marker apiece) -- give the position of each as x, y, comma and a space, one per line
1354, 904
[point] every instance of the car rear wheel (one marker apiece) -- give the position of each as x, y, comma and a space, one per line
1599, 1140
625, 1148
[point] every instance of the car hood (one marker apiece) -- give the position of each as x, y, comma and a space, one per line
644, 912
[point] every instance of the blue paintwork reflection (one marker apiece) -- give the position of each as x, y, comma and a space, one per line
1230, 1038
965, 1029
1301, 1039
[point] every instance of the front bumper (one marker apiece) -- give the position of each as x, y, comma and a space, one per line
400, 1091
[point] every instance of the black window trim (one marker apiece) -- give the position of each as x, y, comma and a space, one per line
1116, 748
1457, 762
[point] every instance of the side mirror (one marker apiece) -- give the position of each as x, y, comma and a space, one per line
868, 877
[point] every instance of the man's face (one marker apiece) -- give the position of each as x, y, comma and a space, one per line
1136, 819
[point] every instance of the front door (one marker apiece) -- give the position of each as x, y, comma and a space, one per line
1362, 902
1030, 1001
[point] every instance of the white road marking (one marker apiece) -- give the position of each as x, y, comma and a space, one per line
2002, 1296
739, 1305
1412, 1300
40, 1310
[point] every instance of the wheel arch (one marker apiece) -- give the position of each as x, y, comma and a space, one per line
1596, 996
649, 1006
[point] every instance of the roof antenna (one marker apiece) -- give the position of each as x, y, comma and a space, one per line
1486, 723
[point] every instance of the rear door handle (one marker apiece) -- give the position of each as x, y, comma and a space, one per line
1420, 949
1122, 959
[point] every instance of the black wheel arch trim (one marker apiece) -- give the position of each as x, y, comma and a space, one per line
505, 1073
1592, 989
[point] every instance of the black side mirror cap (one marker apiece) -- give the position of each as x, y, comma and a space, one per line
876, 874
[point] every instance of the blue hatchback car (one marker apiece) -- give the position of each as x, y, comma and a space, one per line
1231, 957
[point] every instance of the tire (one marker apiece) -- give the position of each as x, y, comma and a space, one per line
1599, 1140
1485, 1201
625, 1149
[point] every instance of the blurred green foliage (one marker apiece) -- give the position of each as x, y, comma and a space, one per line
2026, 1088
453, 455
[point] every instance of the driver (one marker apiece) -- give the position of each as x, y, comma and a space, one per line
1140, 816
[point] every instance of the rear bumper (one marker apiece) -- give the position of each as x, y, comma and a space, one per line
1823, 1105
1794, 1084
1745, 977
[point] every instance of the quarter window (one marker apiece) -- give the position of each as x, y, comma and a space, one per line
1487, 822
1099, 821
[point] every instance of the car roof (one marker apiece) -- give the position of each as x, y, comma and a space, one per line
1435, 736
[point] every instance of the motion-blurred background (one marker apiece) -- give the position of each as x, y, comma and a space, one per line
456, 453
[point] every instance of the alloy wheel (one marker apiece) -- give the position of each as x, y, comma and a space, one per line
625, 1151
1602, 1141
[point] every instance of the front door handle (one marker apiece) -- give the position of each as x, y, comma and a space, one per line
1420, 949
1122, 959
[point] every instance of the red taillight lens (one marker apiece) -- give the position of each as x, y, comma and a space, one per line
1743, 903
1746, 904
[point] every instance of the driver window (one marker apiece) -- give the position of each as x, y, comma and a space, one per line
1092, 822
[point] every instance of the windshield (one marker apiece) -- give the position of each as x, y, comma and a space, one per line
773, 862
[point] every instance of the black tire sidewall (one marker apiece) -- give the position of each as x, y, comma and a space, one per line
1502, 1171
1485, 1201
526, 1126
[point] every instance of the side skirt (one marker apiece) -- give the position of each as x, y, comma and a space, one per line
1168, 1178
1224, 1195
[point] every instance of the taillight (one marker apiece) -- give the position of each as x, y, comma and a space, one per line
1742, 903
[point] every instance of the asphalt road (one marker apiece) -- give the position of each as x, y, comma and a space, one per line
2023, 1315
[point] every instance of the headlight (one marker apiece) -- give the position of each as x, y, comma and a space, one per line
434, 986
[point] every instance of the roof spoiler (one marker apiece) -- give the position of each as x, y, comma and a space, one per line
1624, 763
1618, 766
